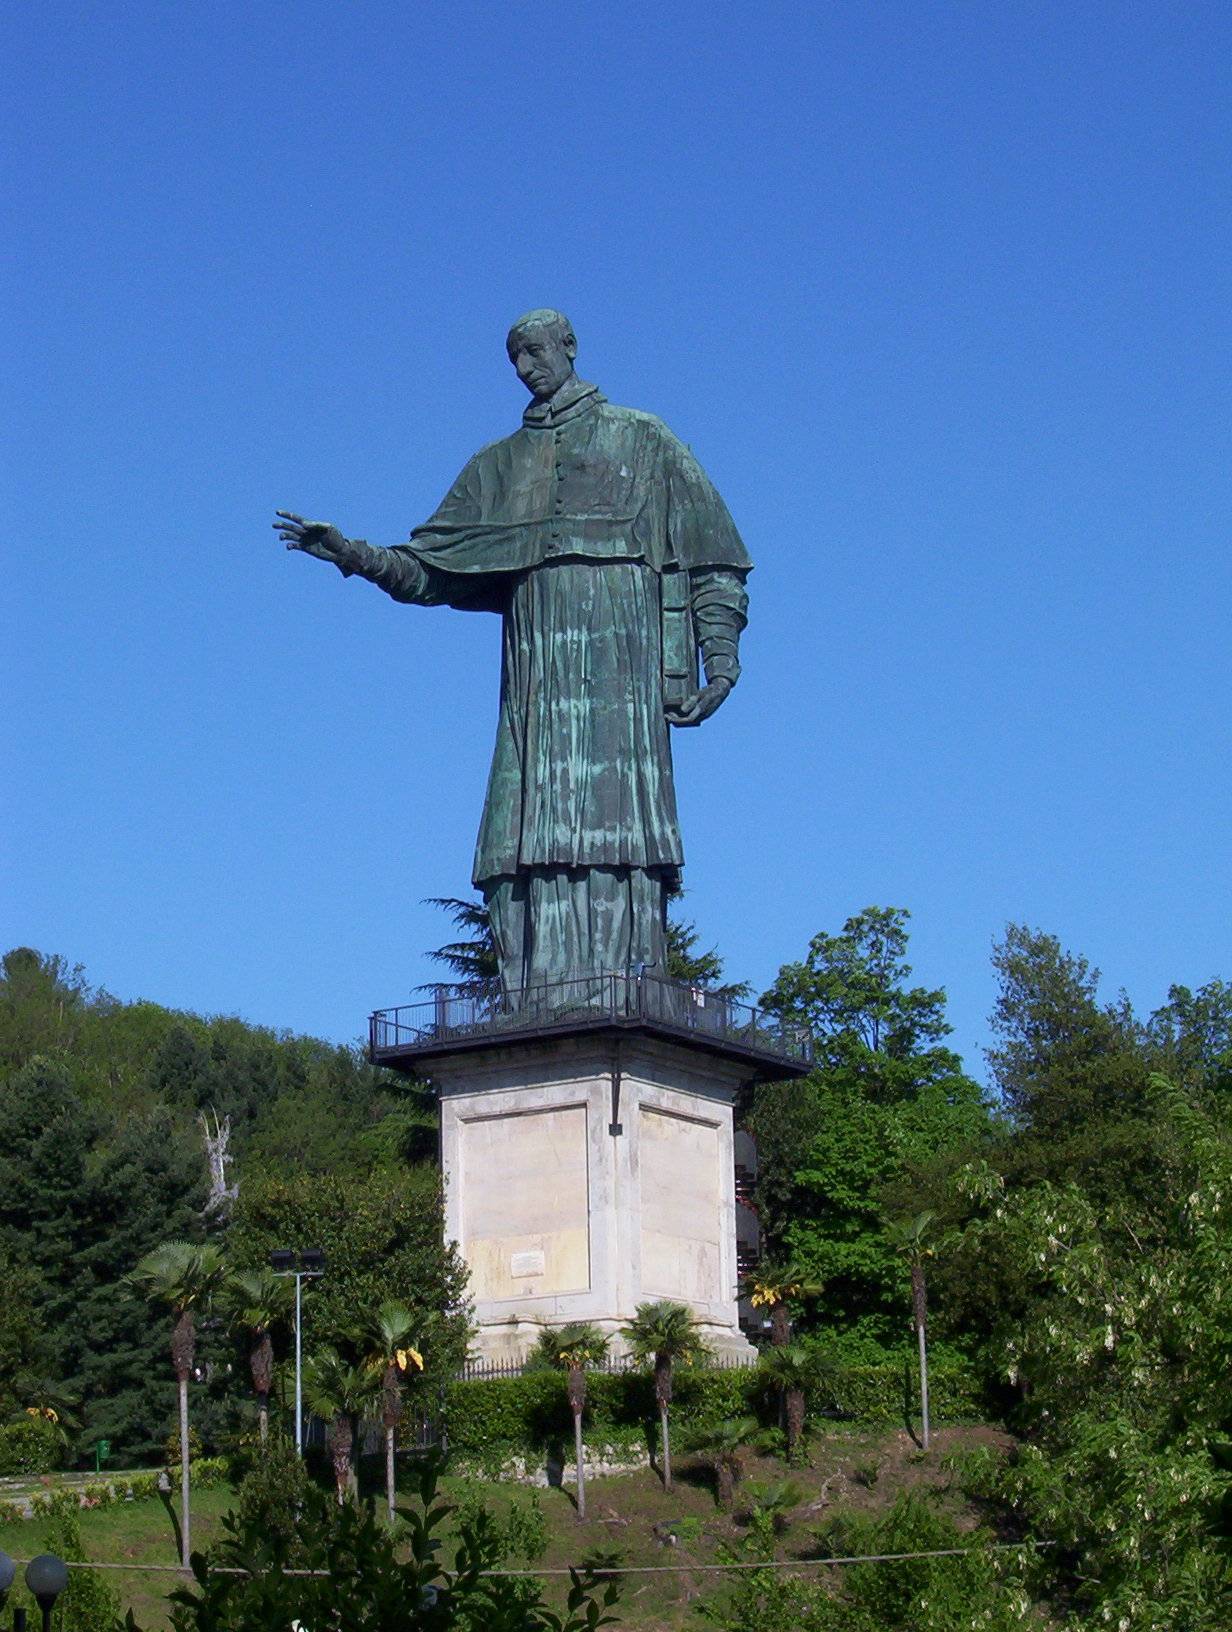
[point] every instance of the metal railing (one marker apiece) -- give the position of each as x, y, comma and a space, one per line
462, 1014
610, 1365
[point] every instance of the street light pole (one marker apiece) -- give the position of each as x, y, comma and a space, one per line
299, 1365
307, 1264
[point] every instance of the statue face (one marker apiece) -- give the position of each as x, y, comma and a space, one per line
543, 361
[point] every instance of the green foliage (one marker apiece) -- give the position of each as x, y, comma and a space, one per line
520, 1535
1122, 1347
884, 1115
20, 1345
494, 1420
982, 1591
664, 1331
273, 1492
382, 1240
31, 1445
89, 1603
359, 1584
103, 1161
851, 994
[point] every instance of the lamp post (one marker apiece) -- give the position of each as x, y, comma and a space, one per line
46, 1577
308, 1264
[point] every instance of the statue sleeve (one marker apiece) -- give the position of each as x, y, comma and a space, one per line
720, 605
395, 571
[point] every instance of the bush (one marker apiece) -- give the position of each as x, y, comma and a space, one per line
89, 1604
32, 1445
349, 1575
490, 1421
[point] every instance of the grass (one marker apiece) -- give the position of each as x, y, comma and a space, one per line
629, 1514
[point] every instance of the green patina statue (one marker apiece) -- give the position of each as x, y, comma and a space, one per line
614, 563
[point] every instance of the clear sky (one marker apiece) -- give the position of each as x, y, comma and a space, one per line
939, 295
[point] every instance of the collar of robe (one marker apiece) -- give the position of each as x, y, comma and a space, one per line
575, 397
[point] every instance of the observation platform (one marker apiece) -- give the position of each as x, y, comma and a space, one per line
460, 1020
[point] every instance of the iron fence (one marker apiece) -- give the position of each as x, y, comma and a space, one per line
470, 1015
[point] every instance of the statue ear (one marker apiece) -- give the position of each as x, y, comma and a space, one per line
570, 347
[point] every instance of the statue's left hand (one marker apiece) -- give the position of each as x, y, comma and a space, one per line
700, 706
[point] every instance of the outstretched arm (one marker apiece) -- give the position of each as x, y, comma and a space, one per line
394, 571
720, 607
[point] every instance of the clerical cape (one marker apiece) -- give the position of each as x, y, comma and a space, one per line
590, 530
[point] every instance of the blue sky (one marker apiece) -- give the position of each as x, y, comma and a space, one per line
939, 295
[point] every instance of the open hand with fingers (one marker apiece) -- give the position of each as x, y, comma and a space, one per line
317, 538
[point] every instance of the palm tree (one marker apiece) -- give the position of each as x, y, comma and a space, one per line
185, 1277
795, 1371
723, 1446
571, 1349
662, 1333
391, 1354
256, 1301
772, 1286
908, 1238
341, 1393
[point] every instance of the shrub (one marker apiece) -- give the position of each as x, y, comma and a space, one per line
32, 1445
350, 1575
492, 1420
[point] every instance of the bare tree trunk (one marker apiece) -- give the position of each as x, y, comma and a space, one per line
923, 1382
185, 1542
780, 1326
340, 1440
794, 1405
263, 1419
725, 1483
920, 1305
581, 1471
665, 1441
389, 1471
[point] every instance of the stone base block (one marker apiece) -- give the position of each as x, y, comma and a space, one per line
585, 1175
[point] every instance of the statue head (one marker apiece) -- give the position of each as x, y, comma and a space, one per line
541, 346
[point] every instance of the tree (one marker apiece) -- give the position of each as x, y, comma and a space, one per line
701, 969
472, 960
885, 1114
795, 1371
342, 1394
774, 1286
257, 1301
571, 1349
390, 1342
383, 1240
185, 1277
723, 1445
909, 1240
662, 1334
1122, 1348
851, 994
20, 1346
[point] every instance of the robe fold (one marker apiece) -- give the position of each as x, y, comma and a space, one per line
571, 528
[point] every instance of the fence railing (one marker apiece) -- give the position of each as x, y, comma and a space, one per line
466, 1014
482, 1370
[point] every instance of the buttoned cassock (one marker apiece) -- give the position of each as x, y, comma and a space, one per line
613, 561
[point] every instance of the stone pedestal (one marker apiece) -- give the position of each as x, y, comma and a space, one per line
587, 1147
585, 1175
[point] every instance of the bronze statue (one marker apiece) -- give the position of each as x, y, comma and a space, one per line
614, 562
